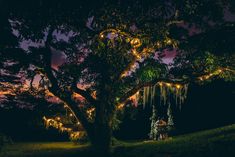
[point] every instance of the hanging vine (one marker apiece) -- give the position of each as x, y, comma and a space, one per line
166, 91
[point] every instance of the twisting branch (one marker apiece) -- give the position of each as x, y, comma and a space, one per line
84, 94
31, 81
131, 92
179, 81
135, 44
55, 89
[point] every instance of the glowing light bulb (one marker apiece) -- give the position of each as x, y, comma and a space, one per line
158, 44
57, 118
135, 42
168, 41
101, 35
70, 114
178, 86
120, 106
168, 84
134, 52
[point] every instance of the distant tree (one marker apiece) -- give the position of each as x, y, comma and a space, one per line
112, 51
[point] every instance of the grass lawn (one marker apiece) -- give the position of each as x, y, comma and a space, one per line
218, 142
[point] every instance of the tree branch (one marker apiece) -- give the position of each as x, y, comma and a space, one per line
146, 84
84, 94
180, 81
55, 89
174, 22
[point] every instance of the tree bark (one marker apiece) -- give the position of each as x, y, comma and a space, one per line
101, 139
102, 131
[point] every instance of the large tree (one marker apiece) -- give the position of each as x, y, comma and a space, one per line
111, 51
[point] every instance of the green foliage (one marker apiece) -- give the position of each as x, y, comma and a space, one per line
151, 70
115, 122
4, 140
205, 62
149, 73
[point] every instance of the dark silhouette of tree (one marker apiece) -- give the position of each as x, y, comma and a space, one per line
113, 49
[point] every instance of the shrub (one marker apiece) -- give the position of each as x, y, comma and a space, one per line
4, 140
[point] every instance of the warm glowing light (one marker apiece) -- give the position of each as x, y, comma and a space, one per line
91, 110
158, 44
101, 35
168, 41
178, 86
93, 94
74, 135
135, 42
123, 74
120, 106
6, 93
168, 84
135, 53
58, 118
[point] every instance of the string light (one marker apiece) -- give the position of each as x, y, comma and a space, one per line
58, 118
168, 41
135, 53
73, 135
120, 106
178, 86
216, 72
158, 44
90, 112
101, 36
135, 42
168, 84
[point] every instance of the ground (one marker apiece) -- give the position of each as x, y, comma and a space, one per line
218, 142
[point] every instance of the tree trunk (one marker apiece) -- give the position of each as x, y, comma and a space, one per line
101, 139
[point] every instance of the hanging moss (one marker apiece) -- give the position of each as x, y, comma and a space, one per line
166, 91
153, 131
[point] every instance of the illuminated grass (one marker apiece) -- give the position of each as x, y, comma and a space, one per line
218, 142
212, 143
44, 149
